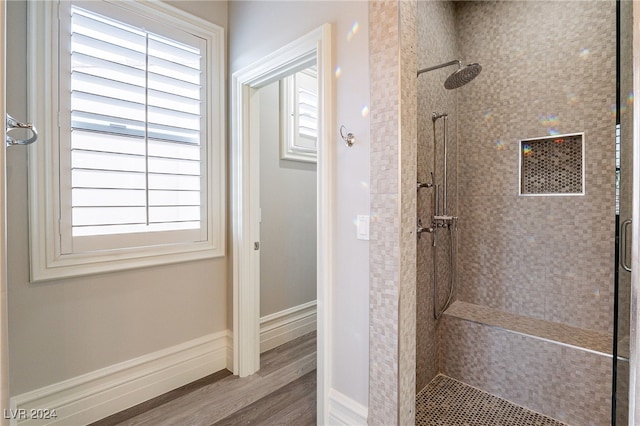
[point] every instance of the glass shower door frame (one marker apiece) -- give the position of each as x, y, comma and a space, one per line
634, 358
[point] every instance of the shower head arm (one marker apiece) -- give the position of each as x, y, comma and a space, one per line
437, 67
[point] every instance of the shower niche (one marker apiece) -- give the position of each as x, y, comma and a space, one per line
552, 165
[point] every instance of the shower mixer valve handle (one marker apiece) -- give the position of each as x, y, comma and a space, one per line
420, 229
425, 184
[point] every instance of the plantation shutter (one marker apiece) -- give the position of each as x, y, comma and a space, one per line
306, 103
137, 134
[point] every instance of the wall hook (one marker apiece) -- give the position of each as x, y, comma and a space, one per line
349, 139
11, 124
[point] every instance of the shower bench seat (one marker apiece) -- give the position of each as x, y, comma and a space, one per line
560, 371
534, 327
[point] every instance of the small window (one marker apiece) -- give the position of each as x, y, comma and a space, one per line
135, 150
299, 104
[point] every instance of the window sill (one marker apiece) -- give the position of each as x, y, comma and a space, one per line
69, 266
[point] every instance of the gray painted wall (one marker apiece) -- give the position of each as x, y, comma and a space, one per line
64, 328
288, 227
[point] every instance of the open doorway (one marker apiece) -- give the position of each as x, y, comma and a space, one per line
311, 49
288, 133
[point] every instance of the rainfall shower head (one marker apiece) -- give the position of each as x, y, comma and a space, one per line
460, 77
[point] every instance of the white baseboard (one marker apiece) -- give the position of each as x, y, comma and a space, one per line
283, 326
101, 393
345, 411
229, 352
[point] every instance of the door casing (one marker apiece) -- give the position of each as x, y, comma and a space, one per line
314, 47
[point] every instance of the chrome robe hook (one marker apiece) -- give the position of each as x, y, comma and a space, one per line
349, 138
12, 123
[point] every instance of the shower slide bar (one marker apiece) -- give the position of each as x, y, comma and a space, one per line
444, 173
435, 117
440, 218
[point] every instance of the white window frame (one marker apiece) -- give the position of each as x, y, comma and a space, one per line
47, 260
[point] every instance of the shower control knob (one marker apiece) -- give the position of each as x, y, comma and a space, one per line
424, 185
420, 229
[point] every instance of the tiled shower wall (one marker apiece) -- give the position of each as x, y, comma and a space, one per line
560, 381
548, 68
393, 212
436, 45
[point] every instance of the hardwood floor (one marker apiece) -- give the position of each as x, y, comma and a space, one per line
283, 392
293, 404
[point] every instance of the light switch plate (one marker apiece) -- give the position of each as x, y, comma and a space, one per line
363, 227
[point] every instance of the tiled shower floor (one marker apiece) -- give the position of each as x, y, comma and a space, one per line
448, 402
